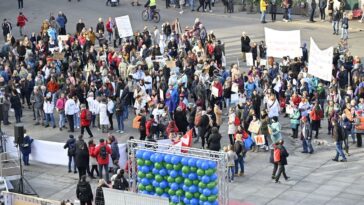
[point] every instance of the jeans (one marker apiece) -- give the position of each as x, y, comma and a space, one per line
70, 158
307, 145
39, 115
50, 117
344, 33
322, 13
106, 167
335, 26
192, 4
289, 14
339, 150
120, 120
76, 120
231, 173
61, 122
281, 170
239, 161
20, 4
312, 14
26, 159
70, 123
17, 114
262, 16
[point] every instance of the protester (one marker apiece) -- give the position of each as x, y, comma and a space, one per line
93, 160
240, 151
71, 152
338, 137
84, 191
26, 148
102, 153
306, 135
82, 156
120, 182
213, 141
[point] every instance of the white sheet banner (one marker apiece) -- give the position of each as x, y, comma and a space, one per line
124, 26
320, 61
53, 153
283, 43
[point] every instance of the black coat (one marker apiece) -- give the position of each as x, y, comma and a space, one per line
82, 155
204, 125
68, 144
181, 121
245, 44
214, 140
284, 155
84, 196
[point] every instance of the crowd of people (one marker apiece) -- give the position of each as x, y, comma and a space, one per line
171, 81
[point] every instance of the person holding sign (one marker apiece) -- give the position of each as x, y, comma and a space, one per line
216, 92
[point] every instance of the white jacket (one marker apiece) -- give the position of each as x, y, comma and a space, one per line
70, 107
90, 103
104, 119
110, 106
48, 107
96, 107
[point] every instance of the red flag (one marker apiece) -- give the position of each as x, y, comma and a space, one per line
186, 140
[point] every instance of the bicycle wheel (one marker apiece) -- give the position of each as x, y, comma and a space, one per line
145, 15
156, 17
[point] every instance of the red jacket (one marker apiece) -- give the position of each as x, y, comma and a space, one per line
21, 20
108, 27
91, 150
84, 121
96, 153
219, 87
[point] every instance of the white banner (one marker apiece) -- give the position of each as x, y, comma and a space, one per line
283, 43
117, 197
124, 26
320, 61
249, 59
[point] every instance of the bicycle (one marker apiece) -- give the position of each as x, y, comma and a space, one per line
156, 16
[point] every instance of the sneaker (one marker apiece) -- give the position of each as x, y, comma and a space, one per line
232, 181
211, 12
335, 160
343, 160
121, 132
181, 12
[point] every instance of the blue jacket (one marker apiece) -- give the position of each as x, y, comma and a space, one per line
61, 21
26, 147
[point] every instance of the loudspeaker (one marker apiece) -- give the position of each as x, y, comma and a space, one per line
19, 133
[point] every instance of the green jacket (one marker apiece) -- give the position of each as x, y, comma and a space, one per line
295, 117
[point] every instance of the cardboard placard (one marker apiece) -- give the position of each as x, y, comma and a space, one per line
259, 139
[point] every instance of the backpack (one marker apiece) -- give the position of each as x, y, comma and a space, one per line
72, 149
277, 155
103, 153
88, 115
119, 184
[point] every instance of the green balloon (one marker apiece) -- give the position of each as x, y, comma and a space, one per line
188, 182
158, 178
203, 197
179, 179
141, 174
193, 169
185, 169
149, 175
209, 172
211, 185
171, 203
165, 177
200, 172
188, 195
166, 190
159, 191
196, 182
149, 188
148, 162
140, 162
179, 192
141, 187
181, 203
170, 179
212, 198
197, 195
202, 185
171, 192
177, 167
158, 165
169, 166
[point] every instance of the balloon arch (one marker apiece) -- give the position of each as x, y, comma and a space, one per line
184, 175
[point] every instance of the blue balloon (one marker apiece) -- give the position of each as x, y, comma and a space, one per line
207, 203
139, 154
181, 185
163, 184
200, 189
205, 165
174, 186
205, 179
186, 201
194, 201
167, 158
155, 183
192, 162
179, 172
175, 159
146, 155
145, 192
145, 181
185, 188
145, 169
193, 189
163, 172
184, 161
151, 193
199, 163
174, 199
215, 203
212, 164
213, 177
215, 191
184, 175
139, 167
206, 192
155, 171
152, 157
173, 174
200, 202
199, 178
192, 176
159, 157
165, 195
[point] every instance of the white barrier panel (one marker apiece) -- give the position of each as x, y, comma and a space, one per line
53, 152
116, 197
283, 43
20, 199
320, 61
